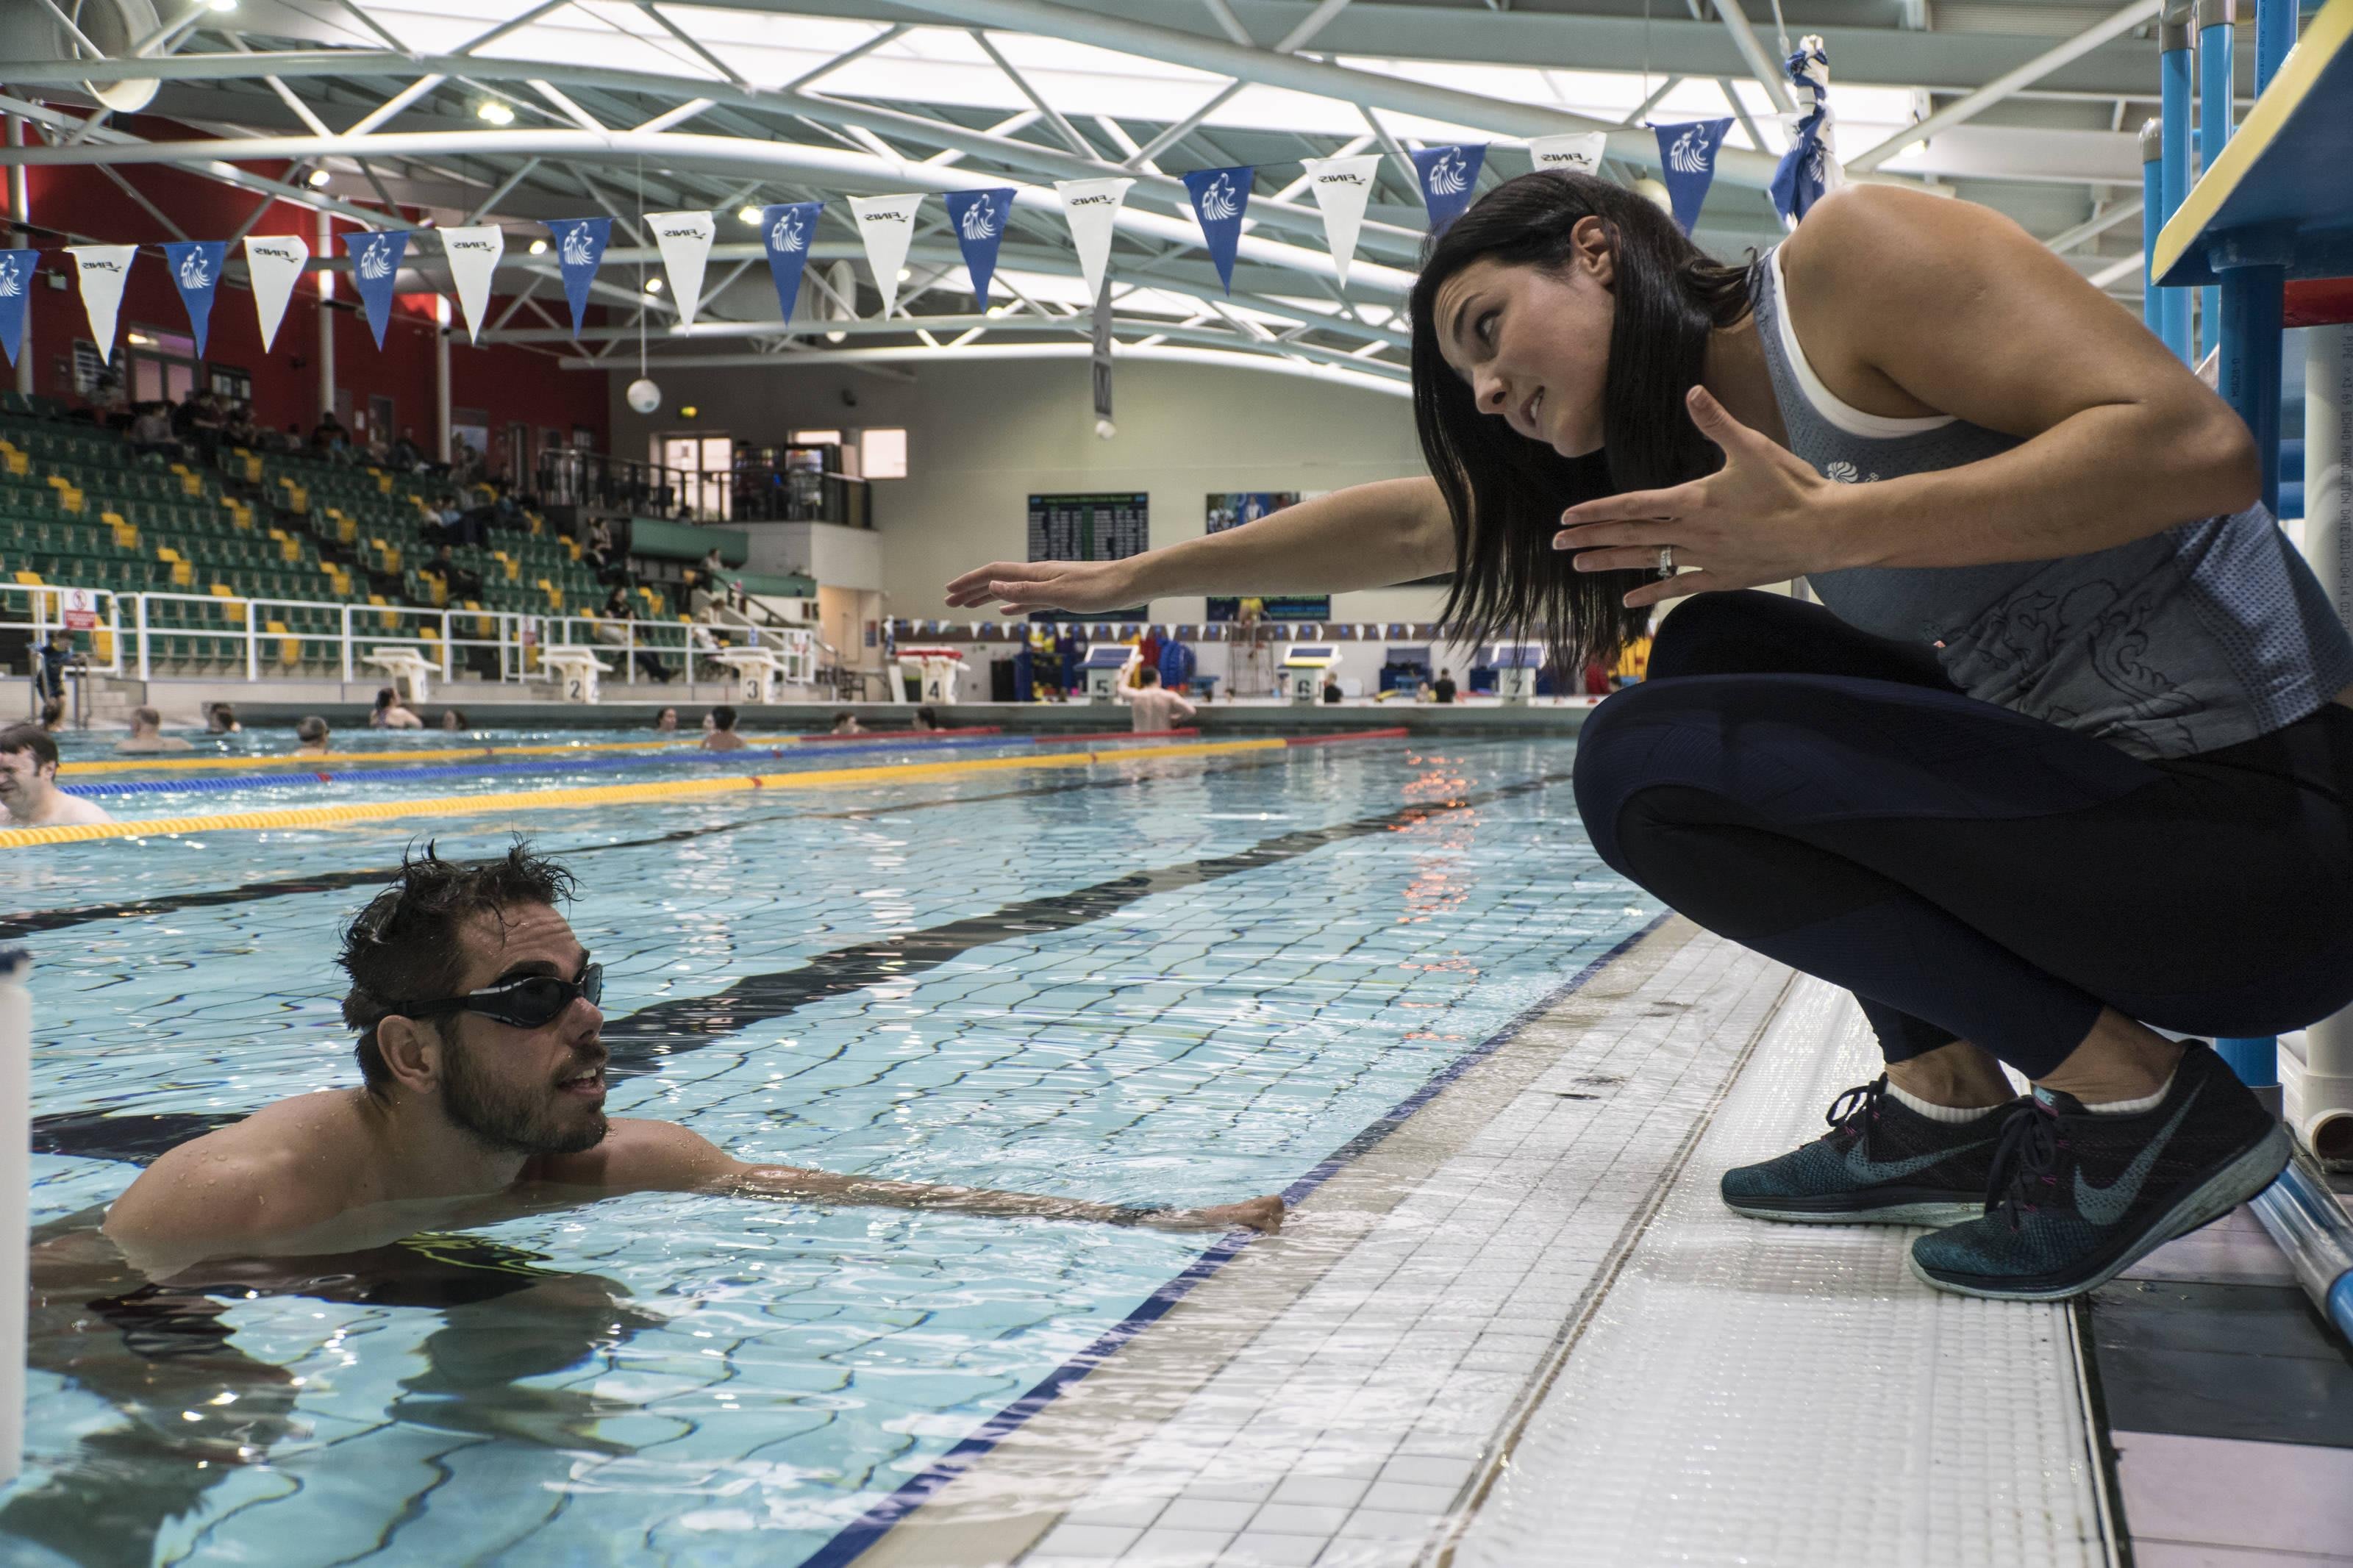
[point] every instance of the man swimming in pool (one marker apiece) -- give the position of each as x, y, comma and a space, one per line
483, 1095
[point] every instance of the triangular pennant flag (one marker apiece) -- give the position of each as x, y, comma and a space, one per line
887, 225
1092, 209
272, 262
473, 254
979, 217
1810, 170
1449, 175
196, 271
376, 261
1580, 154
17, 269
787, 230
1687, 164
685, 241
579, 247
1220, 196
1342, 187
103, 269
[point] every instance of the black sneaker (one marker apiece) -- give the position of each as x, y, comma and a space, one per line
1882, 1163
2076, 1199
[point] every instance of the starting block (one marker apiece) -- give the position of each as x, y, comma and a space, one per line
933, 670
1302, 666
759, 672
409, 671
1515, 665
1105, 667
576, 671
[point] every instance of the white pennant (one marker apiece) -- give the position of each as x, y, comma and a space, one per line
1581, 153
104, 269
473, 254
1342, 186
886, 224
685, 240
1092, 207
272, 262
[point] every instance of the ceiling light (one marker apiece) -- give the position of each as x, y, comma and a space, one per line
222, 4
539, 248
140, 340
495, 112
689, 412
319, 178
905, 273
748, 212
653, 285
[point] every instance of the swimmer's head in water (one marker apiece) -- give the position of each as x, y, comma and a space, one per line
452, 930
311, 732
1558, 325
722, 719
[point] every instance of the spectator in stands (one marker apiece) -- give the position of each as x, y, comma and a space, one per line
147, 734
28, 782
239, 429
710, 566
328, 437
392, 713
206, 418
151, 431
220, 719
1442, 688
719, 731
53, 714
109, 405
666, 722
453, 719
1150, 706
600, 542
465, 463
406, 454
463, 584
287, 440
846, 723
312, 738
619, 609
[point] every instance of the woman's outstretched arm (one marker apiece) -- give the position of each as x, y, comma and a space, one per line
1367, 536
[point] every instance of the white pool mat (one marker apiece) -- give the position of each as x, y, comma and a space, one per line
1769, 1394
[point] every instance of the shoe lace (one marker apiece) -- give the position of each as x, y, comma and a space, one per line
2025, 1163
1855, 1108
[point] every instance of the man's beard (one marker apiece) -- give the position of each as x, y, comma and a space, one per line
512, 1120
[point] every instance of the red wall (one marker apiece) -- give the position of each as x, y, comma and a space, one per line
81, 205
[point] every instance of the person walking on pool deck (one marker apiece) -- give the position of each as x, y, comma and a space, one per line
482, 1094
2066, 752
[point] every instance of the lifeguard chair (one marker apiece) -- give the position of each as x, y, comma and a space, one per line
1303, 667
1515, 665
409, 671
575, 670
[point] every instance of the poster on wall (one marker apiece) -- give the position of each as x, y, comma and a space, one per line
1090, 527
1231, 509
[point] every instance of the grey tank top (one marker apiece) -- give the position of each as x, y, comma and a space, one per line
2203, 635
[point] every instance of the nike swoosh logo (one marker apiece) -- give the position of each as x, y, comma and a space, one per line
2107, 1206
1869, 1171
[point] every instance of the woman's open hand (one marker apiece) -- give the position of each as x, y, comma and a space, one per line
1082, 586
1764, 517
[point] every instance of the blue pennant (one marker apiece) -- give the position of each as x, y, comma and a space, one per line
17, 269
376, 261
1449, 177
980, 217
196, 271
579, 248
788, 233
1687, 161
1220, 198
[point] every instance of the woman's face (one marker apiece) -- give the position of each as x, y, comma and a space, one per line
1533, 345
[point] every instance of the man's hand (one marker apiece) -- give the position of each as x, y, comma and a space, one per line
1764, 517
1082, 586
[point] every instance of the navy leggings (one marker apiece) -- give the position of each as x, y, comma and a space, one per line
1828, 799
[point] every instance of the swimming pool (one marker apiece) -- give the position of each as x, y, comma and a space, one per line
1182, 981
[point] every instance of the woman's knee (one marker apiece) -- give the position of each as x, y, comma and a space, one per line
1719, 634
1615, 753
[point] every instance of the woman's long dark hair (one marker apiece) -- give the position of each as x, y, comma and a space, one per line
1506, 492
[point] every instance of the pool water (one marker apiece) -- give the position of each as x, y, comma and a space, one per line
1184, 982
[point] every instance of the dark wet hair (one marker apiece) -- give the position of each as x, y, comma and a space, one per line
1147, 676
30, 738
311, 728
403, 947
1505, 492
723, 717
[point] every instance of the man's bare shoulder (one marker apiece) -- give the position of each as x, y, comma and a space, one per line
72, 811
636, 1157
287, 1167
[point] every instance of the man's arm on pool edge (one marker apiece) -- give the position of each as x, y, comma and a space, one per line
661, 1155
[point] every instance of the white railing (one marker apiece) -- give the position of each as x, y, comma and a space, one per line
135, 628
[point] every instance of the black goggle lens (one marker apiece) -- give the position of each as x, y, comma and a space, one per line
538, 999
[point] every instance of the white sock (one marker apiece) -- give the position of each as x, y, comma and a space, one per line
2133, 1107
1933, 1112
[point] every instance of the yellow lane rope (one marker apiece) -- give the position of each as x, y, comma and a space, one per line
170, 764
598, 794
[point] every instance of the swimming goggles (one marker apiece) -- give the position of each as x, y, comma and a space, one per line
531, 1003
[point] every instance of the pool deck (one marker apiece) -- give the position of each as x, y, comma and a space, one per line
1521, 1330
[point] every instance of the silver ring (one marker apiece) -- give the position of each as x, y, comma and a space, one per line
1666, 559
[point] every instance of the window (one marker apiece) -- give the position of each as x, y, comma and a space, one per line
882, 454
231, 382
817, 439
